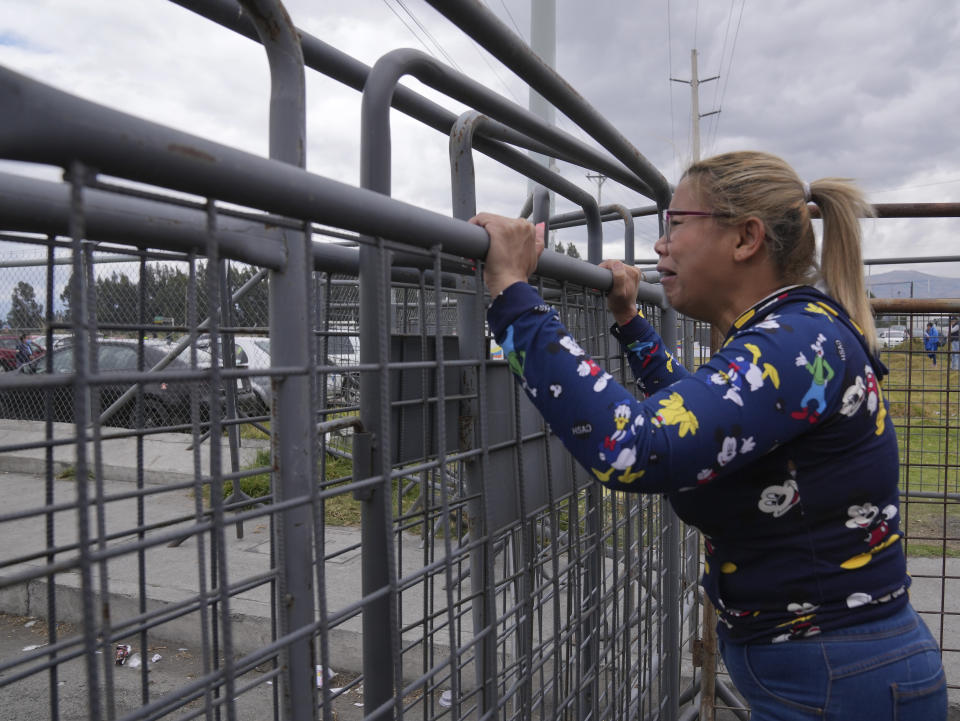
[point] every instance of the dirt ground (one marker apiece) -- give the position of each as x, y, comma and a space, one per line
928, 526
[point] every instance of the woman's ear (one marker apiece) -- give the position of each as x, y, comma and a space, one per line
751, 240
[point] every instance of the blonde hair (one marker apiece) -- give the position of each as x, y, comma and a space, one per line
753, 184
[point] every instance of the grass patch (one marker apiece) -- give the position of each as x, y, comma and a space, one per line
70, 474
250, 432
342, 509
333, 472
925, 408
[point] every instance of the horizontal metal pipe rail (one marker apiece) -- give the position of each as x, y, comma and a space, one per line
326, 59
42, 206
385, 75
907, 210
46, 125
482, 25
915, 305
922, 259
575, 218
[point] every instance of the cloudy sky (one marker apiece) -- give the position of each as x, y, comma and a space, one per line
867, 90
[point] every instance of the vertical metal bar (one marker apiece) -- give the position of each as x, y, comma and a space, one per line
78, 308
141, 510
378, 667
49, 486
628, 242
672, 604
219, 557
471, 333
541, 207
105, 631
292, 421
228, 347
441, 439
207, 655
464, 204
321, 298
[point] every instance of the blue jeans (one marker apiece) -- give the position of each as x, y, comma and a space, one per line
887, 670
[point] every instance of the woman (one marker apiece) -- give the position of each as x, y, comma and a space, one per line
778, 449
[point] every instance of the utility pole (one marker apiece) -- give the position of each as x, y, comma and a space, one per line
705, 648
543, 41
694, 83
600, 180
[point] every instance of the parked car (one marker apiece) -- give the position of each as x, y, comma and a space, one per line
891, 337
343, 349
253, 352
8, 351
164, 402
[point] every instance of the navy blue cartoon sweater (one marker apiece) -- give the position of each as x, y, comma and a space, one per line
778, 449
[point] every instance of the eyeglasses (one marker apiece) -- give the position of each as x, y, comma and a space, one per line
669, 214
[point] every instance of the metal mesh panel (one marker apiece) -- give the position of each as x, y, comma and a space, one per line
924, 393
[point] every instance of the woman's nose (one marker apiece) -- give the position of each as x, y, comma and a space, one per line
660, 247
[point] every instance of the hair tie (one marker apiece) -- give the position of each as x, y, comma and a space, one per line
806, 191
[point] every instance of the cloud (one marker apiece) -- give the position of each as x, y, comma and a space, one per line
834, 89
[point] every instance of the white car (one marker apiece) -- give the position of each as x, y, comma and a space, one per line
891, 337
252, 352
343, 349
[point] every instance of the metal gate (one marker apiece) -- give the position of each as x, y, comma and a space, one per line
479, 574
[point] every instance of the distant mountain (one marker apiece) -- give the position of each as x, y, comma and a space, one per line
912, 284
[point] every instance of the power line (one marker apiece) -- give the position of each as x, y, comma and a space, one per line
407, 26
723, 53
911, 187
497, 75
439, 47
510, 15
733, 49
490, 65
673, 134
426, 32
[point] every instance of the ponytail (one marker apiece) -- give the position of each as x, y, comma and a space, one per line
841, 261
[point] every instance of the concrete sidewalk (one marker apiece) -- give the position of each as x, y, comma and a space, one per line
173, 568
167, 457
